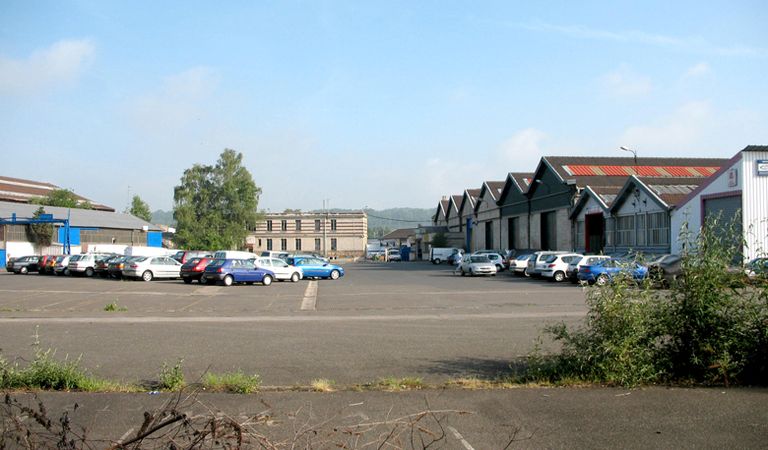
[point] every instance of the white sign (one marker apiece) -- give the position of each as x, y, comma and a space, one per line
733, 177
762, 167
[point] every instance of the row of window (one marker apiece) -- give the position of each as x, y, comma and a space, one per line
642, 229
297, 244
284, 225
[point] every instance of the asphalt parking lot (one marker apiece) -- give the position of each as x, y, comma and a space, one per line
397, 319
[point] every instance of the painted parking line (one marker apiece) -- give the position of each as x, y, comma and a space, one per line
460, 438
309, 302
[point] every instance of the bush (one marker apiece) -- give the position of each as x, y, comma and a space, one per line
709, 328
46, 372
172, 378
237, 382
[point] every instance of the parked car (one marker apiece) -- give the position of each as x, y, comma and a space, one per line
605, 271
393, 254
274, 254
233, 254
116, 266
61, 266
101, 268
439, 255
536, 262
666, 269
757, 269
519, 265
456, 257
230, 271
477, 265
23, 265
282, 270
84, 264
45, 264
587, 260
316, 268
557, 265
183, 256
148, 268
495, 258
193, 269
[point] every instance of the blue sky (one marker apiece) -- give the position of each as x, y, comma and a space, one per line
377, 104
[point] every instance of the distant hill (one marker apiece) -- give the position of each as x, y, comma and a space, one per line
380, 222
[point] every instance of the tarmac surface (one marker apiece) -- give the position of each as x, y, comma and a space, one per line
380, 320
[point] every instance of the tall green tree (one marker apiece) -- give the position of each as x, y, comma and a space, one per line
140, 209
40, 233
64, 198
215, 206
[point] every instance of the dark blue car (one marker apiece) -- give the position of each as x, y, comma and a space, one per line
314, 267
605, 271
228, 271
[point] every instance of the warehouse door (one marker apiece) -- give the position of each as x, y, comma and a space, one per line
548, 231
720, 213
488, 235
594, 231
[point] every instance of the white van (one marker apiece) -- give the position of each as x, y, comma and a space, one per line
438, 255
234, 254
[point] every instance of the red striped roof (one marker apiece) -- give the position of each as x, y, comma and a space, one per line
644, 171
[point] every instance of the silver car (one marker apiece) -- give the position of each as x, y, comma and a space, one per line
84, 264
148, 268
61, 267
282, 270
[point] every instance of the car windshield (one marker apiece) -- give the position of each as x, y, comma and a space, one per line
479, 259
139, 258
217, 262
193, 261
523, 257
550, 258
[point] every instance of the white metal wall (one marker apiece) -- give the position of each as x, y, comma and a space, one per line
755, 205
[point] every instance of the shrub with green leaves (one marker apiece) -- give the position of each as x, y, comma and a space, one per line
172, 378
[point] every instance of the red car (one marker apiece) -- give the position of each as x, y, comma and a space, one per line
193, 269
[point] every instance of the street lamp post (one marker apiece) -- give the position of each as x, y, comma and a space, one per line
634, 154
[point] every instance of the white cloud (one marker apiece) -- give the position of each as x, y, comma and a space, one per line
60, 63
623, 82
521, 152
179, 103
692, 44
697, 70
683, 130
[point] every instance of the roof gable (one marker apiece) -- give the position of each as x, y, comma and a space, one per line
492, 191
520, 181
454, 203
469, 200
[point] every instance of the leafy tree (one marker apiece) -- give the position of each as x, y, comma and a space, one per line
140, 209
64, 198
40, 233
439, 240
215, 206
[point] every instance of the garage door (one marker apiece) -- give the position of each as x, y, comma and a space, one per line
724, 209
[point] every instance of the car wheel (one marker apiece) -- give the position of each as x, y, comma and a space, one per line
67, 272
89, 272
559, 276
267, 280
526, 274
187, 280
602, 279
334, 274
147, 275
436, 261
23, 271
295, 277
499, 268
228, 280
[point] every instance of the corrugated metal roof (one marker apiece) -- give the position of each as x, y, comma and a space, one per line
79, 217
23, 191
643, 171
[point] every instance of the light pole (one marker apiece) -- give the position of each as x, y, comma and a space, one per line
634, 154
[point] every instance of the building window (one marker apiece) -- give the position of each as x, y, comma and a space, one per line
284, 225
259, 243
317, 244
658, 229
269, 225
269, 244
333, 244
625, 231
333, 224
317, 224
298, 224
298, 244
283, 244
641, 230
580, 242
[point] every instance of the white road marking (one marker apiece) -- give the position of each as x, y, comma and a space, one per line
309, 302
273, 319
461, 438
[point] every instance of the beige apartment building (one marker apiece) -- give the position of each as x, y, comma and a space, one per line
335, 234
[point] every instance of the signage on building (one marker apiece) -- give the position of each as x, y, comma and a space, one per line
733, 177
762, 167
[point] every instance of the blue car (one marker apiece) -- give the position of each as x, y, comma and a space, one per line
604, 271
314, 267
229, 271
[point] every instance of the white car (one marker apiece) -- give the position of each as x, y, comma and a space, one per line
150, 267
556, 266
477, 265
282, 270
536, 263
61, 267
519, 265
587, 260
84, 264
495, 258
393, 254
